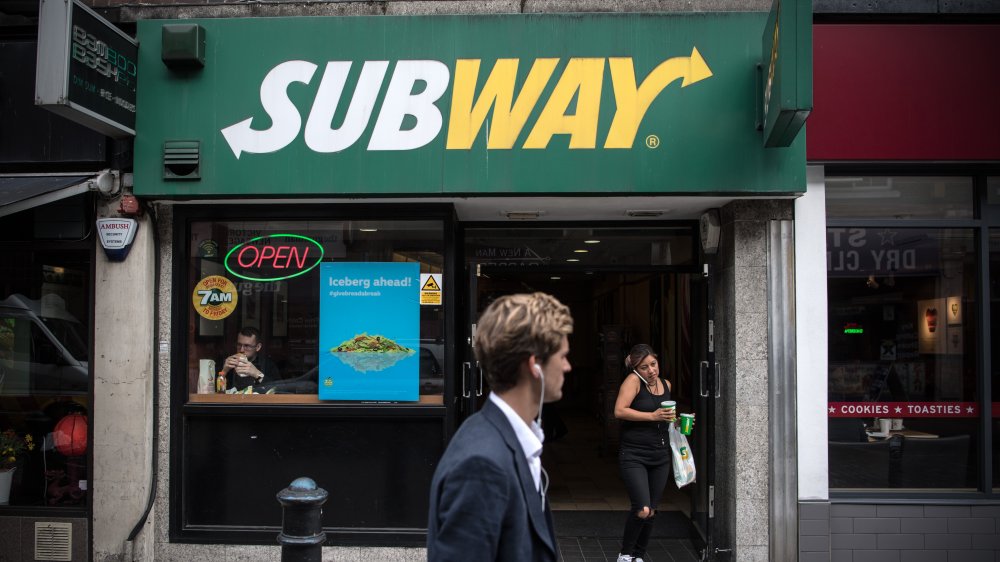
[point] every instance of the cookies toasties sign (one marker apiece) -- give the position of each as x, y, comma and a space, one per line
464, 104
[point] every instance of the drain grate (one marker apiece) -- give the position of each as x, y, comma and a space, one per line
53, 541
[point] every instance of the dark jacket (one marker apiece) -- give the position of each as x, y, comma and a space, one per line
263, 364
484, 505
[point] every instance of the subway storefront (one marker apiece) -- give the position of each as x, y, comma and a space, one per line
336, 199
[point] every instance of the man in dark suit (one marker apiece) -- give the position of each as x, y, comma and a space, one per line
488, 493
248, 364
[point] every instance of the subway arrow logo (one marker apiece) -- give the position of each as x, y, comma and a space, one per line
415, 87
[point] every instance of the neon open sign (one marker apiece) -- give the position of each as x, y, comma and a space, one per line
274, 257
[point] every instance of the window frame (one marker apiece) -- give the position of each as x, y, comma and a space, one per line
86, 246
179, 530
985, 217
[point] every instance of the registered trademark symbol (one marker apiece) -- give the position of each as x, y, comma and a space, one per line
652, 141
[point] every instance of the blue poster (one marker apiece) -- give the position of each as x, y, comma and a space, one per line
369, 331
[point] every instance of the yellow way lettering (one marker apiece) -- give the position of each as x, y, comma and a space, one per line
583, 78
633, 102
509, 116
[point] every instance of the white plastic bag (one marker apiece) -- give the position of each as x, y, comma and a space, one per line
684, 472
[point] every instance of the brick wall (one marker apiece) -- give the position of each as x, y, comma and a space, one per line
852, 532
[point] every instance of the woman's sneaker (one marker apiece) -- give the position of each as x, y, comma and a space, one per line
624, 558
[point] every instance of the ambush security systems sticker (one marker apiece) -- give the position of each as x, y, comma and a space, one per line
215, 297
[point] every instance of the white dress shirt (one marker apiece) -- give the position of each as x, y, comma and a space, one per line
530, 438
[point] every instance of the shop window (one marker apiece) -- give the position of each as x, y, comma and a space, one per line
899, 197
903, 404
994, 283
44, 376
993, 190
319, 311
68, 220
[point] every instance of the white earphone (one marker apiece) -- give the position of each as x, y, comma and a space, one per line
541, 394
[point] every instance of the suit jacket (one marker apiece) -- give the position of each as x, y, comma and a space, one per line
484, 505
265, 365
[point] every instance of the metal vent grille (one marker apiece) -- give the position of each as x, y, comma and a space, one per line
182, 160
54, 541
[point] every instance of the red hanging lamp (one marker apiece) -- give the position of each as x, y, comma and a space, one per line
70, 435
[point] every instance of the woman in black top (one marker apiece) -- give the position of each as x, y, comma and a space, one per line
645, 446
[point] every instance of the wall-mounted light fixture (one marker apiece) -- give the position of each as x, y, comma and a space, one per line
183, 46
645, 213
522, 215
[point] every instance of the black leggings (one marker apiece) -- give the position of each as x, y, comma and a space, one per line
644, 484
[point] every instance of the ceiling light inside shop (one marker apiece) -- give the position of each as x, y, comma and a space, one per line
591, 241
580, 251
368, 229
572, 259
555, 278
522, 215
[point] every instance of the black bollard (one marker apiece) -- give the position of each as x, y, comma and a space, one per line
302, 537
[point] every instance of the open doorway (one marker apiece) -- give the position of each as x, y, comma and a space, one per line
624, 286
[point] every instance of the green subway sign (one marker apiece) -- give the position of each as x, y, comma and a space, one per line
462, 105
786, 71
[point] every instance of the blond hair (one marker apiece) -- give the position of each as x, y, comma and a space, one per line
515, 327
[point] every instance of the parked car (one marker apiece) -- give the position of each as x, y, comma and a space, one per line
431, 374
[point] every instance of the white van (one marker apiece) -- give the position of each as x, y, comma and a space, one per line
43, 348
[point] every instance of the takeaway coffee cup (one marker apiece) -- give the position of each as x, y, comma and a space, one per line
687, 423
884, 425
669, 405
206, 376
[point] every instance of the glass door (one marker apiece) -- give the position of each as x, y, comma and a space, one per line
703, 396
472, 388
624, 285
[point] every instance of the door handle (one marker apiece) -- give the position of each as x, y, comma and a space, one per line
701, 380
479, 372
466, 368
718, 381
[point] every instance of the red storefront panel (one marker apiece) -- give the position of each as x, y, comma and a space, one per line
905, 92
